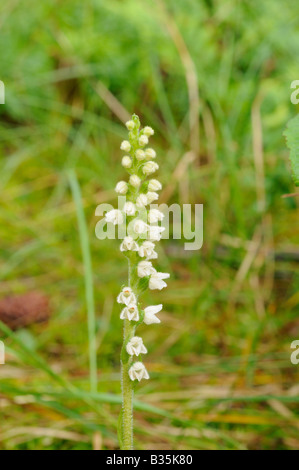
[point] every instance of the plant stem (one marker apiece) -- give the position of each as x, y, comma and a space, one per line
127, 384
127, 396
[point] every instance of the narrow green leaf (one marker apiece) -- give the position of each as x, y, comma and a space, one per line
292, 135
88, 277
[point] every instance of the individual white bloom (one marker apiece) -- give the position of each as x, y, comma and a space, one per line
143, 140
115, 216
121, 187
141, 201
155, 233
126, 161
156, 280
140, 155
148, 131
129, 208
130, 125
154, 216
140, 227
126, 296
154, 185
130, 312
145, 268
150, 314
135, 181
150, 153
138, 372
136, 346
129, 244
152, 196
149, 168
147, 250
126, 146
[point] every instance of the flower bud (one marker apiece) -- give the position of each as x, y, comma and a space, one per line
125, 145
151, 197
140, 227
143, 140
140, 155
121, 187
130, 125
150, 153
135, 181
129, 208
141, 201
149, 168
154, 185
115, 217
126, 162
148, 131
155, 233
155, 216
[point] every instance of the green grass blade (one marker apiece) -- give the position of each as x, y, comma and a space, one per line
88, 277
292, 135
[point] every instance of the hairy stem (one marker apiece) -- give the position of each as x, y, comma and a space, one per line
127, 384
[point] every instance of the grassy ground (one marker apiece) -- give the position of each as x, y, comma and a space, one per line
221, 376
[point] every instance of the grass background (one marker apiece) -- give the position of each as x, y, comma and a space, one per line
213, 79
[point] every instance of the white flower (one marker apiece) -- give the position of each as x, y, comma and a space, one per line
154, 216
156, 280
129, 244
145, 268
130, 313
141, 201
147, 249
150, 153
149, 168
130, 125
154, 185
148, 131
138, 372
143, 140
126, 296
140, 227
150, 314
121, 187
129, 208
115, 216
155, 233
140, 155
135, 181
151, 197
126, 161
136, 346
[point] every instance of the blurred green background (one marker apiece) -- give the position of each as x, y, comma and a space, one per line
213, 79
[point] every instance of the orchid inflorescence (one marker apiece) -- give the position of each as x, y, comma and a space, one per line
142, 230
